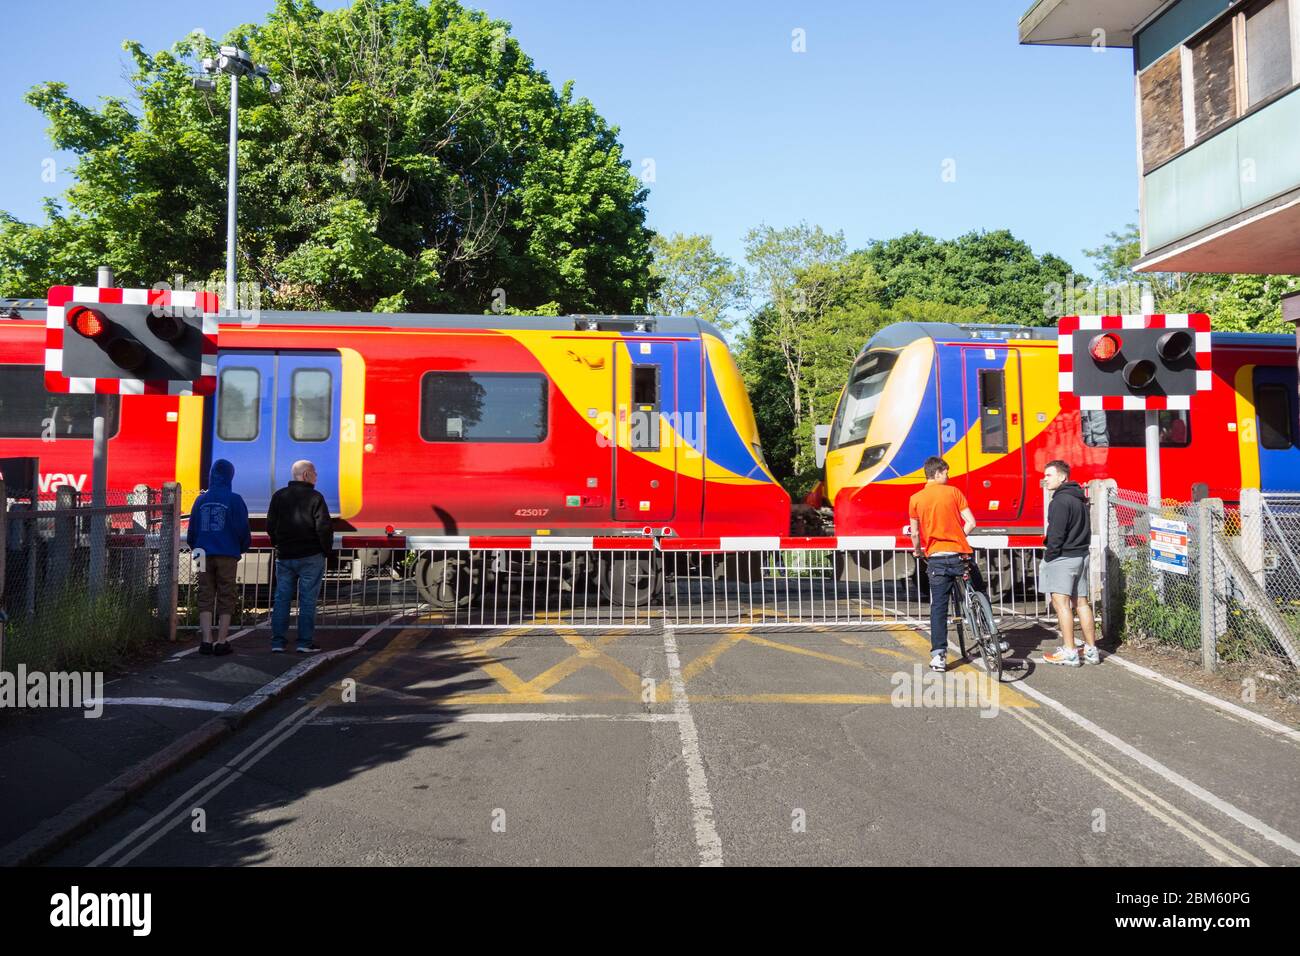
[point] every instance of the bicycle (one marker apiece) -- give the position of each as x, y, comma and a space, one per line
976, 612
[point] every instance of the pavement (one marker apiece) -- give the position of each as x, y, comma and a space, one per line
685, 747
62, 771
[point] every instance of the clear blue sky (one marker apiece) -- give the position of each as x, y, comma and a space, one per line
851, 135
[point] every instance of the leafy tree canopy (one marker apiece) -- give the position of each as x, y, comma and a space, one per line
695, 279
416, 160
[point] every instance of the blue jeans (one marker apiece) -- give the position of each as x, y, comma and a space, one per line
943, 573
302, 575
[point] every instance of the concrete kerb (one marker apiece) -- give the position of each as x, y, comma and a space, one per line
42, 842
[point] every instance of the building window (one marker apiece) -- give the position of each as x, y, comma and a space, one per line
483, 407
309, 402
1273, 406
1214, 78
239, 404
27, 410
1268, 51
1128, 429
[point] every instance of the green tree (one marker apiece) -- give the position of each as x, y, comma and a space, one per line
695, 279
417, 160
990, 270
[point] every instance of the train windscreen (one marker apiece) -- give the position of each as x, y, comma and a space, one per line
861, 398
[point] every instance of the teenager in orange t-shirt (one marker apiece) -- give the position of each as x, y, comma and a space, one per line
940, 520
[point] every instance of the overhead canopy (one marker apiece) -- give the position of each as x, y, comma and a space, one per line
1072, 22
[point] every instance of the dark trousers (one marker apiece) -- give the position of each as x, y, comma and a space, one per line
943, 573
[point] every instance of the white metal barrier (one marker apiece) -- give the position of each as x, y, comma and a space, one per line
635, 582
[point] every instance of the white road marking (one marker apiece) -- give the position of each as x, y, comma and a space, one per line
489, 718
230, 770
697, 784
231, 776
1173, 777
1159, 808
181, 703
1226, 705
184, 798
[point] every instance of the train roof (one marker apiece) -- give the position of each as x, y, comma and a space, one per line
660, 324
903, 333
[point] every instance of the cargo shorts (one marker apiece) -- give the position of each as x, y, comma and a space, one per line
217, 584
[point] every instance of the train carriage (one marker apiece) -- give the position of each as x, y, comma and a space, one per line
435, 425
986, 399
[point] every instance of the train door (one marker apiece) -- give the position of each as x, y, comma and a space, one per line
645, 411
995, 467
273, 408
1276, 431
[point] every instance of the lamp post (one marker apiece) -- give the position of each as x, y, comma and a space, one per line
235, 63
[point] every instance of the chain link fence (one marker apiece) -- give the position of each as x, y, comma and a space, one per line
1210, 582
84, 586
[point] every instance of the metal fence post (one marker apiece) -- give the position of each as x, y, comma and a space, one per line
1252, 533
1207, 527
1102, 568
169, 550
58, 560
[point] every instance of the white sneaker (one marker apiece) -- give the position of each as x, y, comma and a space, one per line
1092, 655
1062, 656
939, 662
1003, 646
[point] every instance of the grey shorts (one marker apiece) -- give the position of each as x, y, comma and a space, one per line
1064, 576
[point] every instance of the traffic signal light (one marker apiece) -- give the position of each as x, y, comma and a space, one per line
1142, 361
130, 340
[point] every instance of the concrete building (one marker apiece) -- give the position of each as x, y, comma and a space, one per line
1217, 95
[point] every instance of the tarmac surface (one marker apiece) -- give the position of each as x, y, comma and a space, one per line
686, 747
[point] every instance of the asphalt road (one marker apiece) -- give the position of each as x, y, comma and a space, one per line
738, 747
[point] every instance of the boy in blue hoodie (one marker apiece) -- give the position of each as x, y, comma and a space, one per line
218, 534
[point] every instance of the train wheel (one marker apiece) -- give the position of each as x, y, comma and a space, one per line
630, 582
444, 582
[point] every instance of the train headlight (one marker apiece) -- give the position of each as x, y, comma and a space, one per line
873, 456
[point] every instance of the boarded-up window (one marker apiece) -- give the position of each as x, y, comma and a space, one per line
1162, 110
1268, 51
1213, 72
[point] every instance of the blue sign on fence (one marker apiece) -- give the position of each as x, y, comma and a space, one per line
1168, 545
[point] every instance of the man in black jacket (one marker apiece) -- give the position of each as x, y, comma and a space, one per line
1065, 565
298, 523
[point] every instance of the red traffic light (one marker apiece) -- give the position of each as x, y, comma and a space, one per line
87, 322
1105, 347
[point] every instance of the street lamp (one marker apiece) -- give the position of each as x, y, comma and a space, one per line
235, 63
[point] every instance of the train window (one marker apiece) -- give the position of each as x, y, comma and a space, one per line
483, 406
27, 410
309, 404
858, 407
993, 411
644, 433
1273, 407
239, 404
1128, 429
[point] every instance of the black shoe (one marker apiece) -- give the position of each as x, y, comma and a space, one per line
205, 647
220, 650
309, 649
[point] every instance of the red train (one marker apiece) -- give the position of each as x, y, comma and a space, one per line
986, 399
434, 424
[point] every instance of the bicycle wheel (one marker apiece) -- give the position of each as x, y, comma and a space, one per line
986, 632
